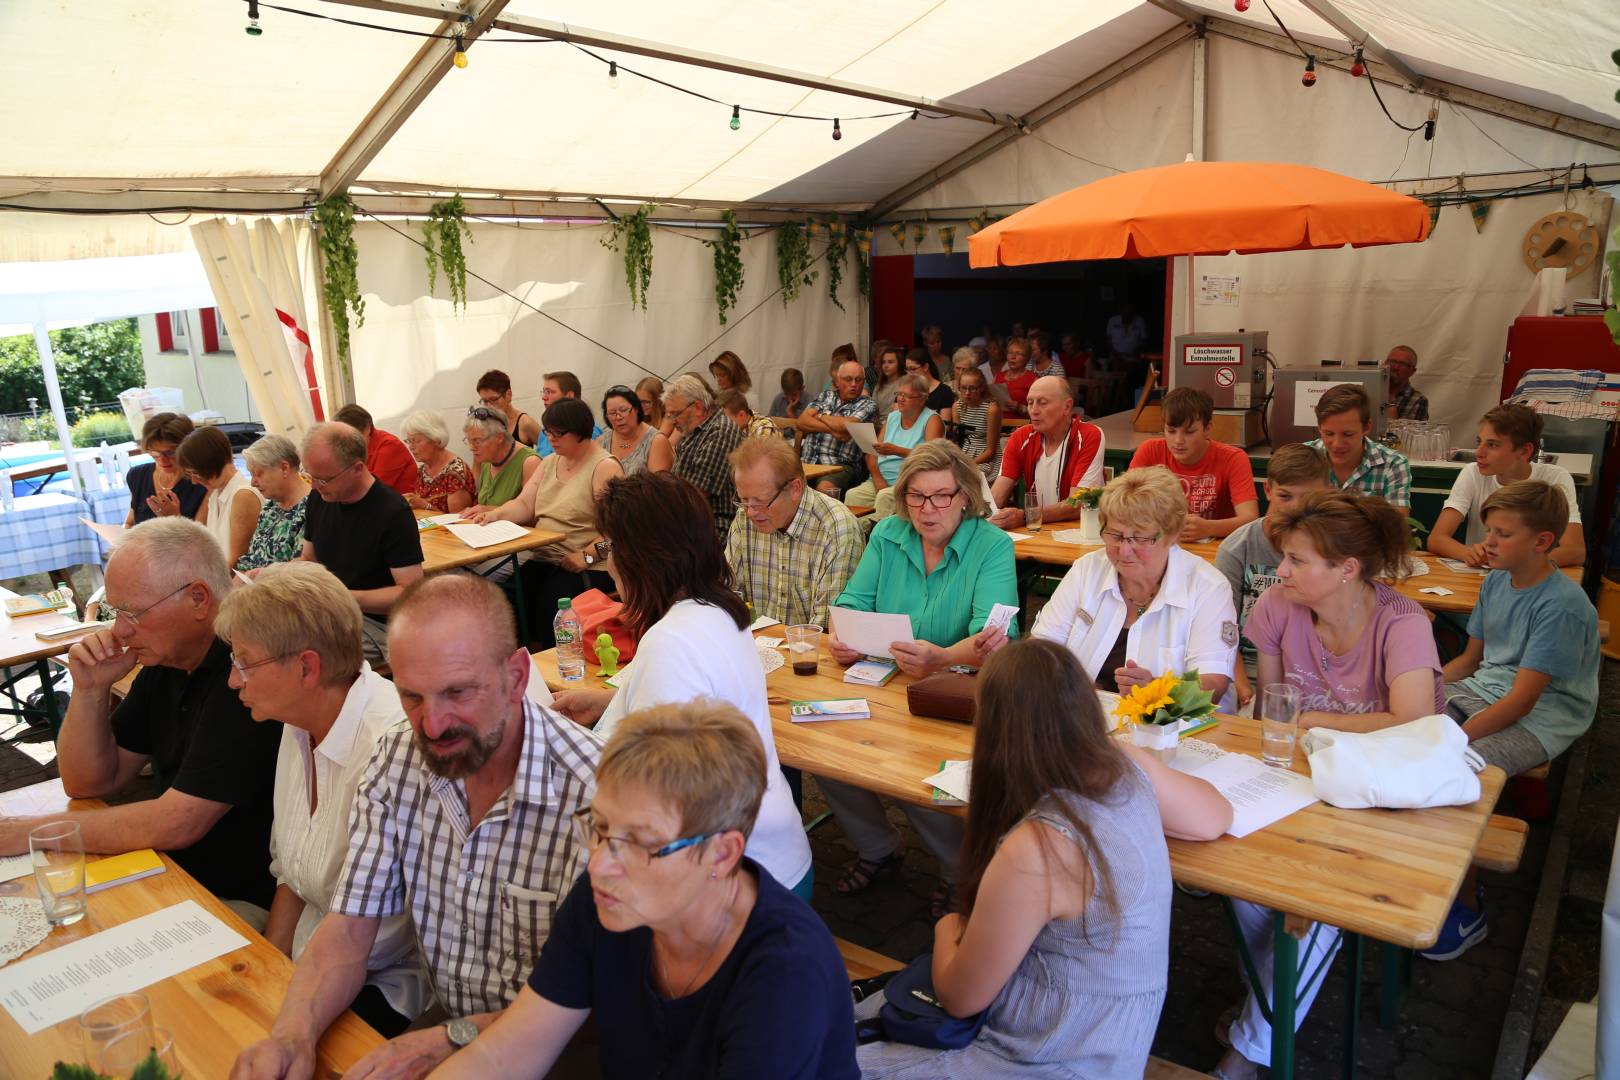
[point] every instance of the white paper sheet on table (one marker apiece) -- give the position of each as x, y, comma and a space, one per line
483, 536
1017, 536
955, 779
865, 436
110, 533
1074, 536
1260, 794
870, 633
13, 867
54, 986
445, 519
762, 622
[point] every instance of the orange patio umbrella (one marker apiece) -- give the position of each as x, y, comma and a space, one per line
1202, 208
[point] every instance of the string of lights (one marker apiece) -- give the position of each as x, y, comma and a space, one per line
614, 68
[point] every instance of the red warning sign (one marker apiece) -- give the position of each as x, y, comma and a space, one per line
1225, 376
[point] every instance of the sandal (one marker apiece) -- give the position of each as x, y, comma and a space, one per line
867, 872
941, 902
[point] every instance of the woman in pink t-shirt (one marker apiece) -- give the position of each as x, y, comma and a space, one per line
1362, 657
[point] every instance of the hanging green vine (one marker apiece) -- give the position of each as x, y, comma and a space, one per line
793, 260
728, 267
441, 244
837, 252
632, 235
863, 276
334, 231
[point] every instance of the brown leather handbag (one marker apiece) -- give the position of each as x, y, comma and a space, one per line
946, 695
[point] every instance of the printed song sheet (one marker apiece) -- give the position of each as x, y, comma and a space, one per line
62, 983
1260, 794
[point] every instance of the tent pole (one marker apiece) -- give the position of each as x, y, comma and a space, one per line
1200, 93
196, 365
53, 391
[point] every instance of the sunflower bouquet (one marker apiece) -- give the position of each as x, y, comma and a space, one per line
1085, 497
1166, 700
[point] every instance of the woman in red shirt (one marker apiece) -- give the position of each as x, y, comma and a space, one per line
1016, 376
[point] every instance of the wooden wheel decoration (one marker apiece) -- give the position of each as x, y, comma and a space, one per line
1563, 238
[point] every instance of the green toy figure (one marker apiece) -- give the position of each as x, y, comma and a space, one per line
607, 655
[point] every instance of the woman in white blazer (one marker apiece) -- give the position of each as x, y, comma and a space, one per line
1142, 606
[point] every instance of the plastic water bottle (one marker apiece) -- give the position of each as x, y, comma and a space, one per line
570, 650
67, 606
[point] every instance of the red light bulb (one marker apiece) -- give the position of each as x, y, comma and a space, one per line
1308, 79
1241, 5
1357, 68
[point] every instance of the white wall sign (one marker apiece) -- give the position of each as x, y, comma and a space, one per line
1307, 394
1219, 290
1222, 355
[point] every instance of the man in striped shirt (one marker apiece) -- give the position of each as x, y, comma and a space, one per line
462, 820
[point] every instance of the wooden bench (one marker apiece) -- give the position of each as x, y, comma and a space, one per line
861, 511
1502, 845
864, 964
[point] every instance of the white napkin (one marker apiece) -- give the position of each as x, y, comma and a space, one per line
1423, 763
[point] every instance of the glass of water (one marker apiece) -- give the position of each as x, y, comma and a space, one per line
57, 851
109, 1018
1279, 724
1032, 512
126, 1053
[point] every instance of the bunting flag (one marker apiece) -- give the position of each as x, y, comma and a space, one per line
976, 222
919, 233
863, 242
1480, 209
947, 238
813, 229
1434, 217
898, 231
837, 230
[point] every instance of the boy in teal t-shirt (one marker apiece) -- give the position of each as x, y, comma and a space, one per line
1526, 686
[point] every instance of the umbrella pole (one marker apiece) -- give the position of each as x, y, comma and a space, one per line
53, 392
1191, 290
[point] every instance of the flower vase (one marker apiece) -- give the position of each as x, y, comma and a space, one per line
1090, 525
1161, 740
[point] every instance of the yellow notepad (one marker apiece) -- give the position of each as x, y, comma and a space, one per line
117, 869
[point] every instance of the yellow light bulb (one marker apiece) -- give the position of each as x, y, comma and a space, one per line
461, 59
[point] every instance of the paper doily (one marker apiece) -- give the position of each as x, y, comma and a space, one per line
22, 926
1416, 567
770, 659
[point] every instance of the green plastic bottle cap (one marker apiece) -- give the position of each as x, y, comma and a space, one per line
563, 603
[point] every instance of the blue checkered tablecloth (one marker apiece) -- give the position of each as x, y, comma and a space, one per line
41, 533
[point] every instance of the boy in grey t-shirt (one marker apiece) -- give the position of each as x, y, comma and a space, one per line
1247, 558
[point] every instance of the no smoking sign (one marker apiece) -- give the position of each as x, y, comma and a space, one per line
1225, 376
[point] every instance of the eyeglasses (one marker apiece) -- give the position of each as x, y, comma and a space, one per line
243, 669
939, 500
591, 837
135, 617
555, 435
761, 504
1119, 539
603, 549
322, 481
483, 412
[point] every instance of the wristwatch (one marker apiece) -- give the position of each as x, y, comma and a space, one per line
460, 1031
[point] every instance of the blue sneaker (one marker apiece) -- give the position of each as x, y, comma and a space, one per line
1462, 930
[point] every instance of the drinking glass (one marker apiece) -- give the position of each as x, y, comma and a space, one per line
57, 851
1279, 724
804, 648
1032, 512
109, 1018
125, 1053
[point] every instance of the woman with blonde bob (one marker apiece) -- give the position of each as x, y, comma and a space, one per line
941, 561
1065, 888
295, 650
1141, 605
693, 961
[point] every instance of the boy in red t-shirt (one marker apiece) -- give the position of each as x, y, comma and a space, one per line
1217, 478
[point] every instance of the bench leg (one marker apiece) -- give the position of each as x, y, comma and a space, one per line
1352, 1003
1392, 985
1284, 996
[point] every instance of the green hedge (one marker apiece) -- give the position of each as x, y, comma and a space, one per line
93, 363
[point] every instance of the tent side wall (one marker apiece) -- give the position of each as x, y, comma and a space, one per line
1451, 298
415, 352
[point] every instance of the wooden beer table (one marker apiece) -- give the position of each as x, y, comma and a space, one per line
442, 550
23, 654
1389, 875
812, 473
214, 1010
1042, 549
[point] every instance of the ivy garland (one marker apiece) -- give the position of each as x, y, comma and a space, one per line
863, 276
793, 260
334, 230
632, 234
837, 252
441, 243
728, 267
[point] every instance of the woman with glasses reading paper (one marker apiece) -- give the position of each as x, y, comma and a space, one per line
692, 961
501, 463
636, 444
1142, 606
941, 561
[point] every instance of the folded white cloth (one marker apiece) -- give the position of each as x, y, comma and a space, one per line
1426, 762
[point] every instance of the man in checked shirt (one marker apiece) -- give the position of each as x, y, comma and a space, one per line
462, 821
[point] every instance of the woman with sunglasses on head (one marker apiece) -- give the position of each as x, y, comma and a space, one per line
561, 496
693, 640
1063, 937
633, 442
159, 488
501, 465
1141, 605
692, 961
941, 561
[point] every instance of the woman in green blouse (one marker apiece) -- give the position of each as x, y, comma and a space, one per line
941, 561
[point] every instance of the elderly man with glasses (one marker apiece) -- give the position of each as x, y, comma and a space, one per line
1405, 403
707, 437
791, 547
824, 426
165, 580
360, 529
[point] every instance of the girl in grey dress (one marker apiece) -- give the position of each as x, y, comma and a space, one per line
1065, 886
